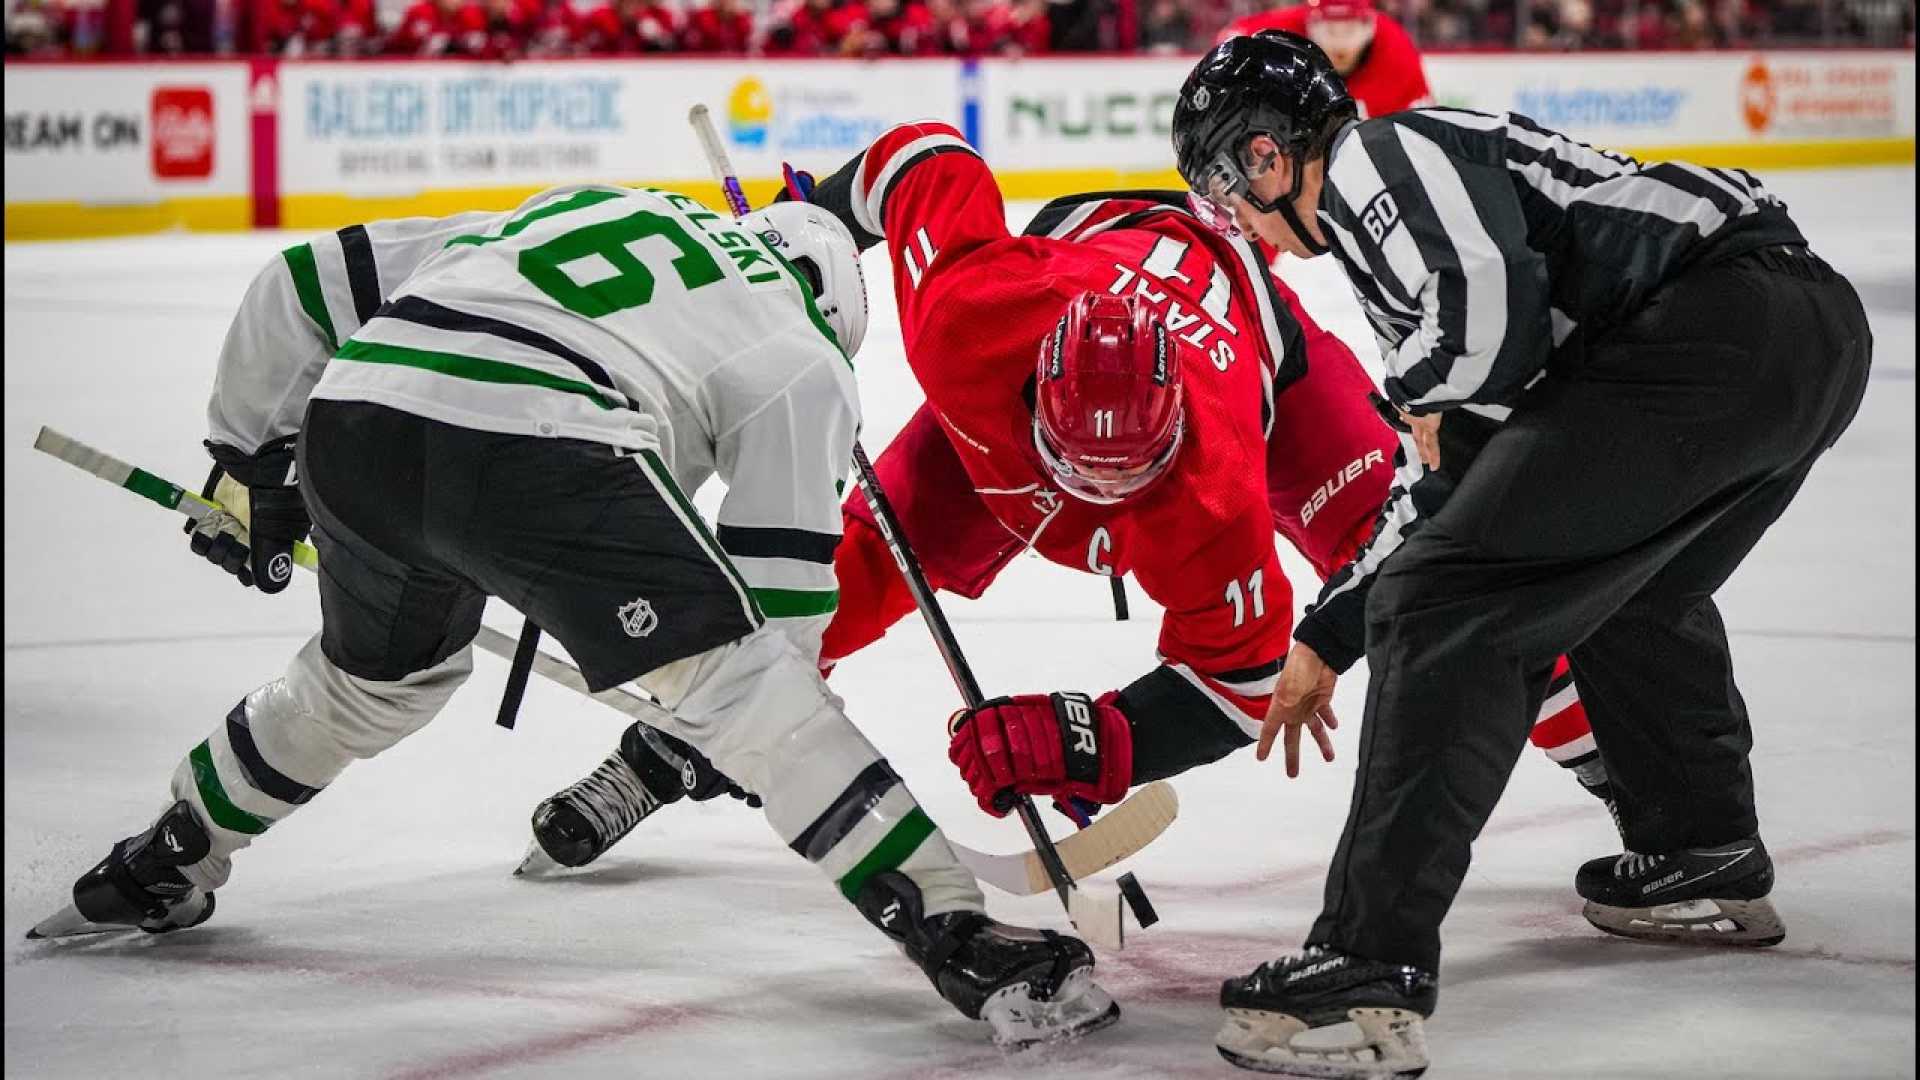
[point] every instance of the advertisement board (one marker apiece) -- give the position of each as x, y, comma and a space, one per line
146, 143
396, 130
1691, 100
1107, 122
1104, 115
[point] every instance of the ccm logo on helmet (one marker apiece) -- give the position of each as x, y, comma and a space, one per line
1338, 483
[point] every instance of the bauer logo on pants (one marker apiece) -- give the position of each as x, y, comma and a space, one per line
637, 618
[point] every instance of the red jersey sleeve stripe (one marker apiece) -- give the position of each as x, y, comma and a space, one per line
1246, 712
887, 158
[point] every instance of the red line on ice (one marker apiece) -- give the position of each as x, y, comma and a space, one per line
474, 1062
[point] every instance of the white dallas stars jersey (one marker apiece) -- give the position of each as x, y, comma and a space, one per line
635, 318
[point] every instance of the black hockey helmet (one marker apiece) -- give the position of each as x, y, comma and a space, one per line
1271, 83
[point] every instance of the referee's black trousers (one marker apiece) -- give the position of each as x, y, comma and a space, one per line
1598, 522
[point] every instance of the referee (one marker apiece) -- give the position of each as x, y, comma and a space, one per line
1610, 377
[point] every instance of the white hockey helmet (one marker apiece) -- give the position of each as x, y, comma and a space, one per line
822, 249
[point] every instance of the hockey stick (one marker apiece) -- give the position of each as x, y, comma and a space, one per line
1114, 836
1100, 920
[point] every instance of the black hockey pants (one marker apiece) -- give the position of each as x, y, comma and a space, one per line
1598, 522
418, 522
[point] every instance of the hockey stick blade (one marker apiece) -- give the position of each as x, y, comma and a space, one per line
1099, 919
1116, 835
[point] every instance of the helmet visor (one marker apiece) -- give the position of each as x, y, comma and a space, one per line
1213, 216
1223, 179
1220, 180
1100, 484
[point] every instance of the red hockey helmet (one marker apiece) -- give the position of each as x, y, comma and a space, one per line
1107, 415
1343, 28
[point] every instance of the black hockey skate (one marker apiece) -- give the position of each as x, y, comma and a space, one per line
1030, 986
138, 885
1710, 895
1322, 988
649, 770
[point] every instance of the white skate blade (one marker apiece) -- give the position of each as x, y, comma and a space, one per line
1100, 922
1078, 1007
1374, 1044
68, 922
1748, 923
536, 863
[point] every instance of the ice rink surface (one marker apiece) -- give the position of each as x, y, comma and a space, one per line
378, 932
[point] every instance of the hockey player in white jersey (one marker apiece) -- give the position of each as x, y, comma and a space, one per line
518, 405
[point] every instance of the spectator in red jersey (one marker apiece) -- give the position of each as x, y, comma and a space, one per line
814, 27
556, 29
440, 28
1013, 27
893, 28
718, 26
632, 26
947, 24
505, 28
359, 30
297, 28
1369, 48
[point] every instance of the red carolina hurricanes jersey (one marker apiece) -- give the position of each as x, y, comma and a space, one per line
1390, 76
975, 304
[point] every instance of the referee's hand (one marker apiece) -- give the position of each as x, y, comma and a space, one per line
1426, 436
1302, 698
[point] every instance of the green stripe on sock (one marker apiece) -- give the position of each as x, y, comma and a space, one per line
572, 202
796, 603
467, 367
219, 807
890, 852
145, 484
306, 285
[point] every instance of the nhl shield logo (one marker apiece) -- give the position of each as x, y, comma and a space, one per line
1201, 98
637, 618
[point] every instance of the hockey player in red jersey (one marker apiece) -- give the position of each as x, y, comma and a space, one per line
1371, 50
1126, 391
1103, 393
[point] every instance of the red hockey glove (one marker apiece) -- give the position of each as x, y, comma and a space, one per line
1064, 745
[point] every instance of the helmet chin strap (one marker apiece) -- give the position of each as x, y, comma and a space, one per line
1284, 207
1300, 229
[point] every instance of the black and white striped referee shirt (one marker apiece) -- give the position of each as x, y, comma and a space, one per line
1479, 246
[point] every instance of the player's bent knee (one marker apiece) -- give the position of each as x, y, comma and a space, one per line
360, 717
740, 703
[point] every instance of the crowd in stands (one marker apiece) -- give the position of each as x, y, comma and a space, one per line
508, 29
